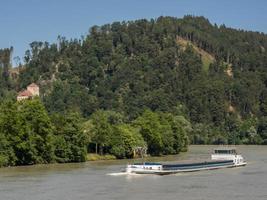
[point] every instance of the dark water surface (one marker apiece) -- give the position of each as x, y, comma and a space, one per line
89, 181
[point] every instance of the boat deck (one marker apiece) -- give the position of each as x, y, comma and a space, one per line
196, 165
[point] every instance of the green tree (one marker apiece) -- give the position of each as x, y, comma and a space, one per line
10, 132
70, 140
102, 124
36, 140
150, 128
262, 129
124, 140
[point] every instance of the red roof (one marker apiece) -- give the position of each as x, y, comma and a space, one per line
33, 85
25, 93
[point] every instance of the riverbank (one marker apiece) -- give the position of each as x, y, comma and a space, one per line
97, 157
94, 158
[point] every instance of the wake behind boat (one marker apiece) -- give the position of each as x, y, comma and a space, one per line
222, 158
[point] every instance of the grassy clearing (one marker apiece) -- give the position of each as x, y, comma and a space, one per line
206, 58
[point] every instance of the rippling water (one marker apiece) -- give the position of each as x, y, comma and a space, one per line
89, 181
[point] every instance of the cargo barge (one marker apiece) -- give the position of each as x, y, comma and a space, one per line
221, 158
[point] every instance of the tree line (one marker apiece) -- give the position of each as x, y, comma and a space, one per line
29, 135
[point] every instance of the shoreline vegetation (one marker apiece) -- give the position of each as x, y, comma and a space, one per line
29, 135
128, 87
95, 158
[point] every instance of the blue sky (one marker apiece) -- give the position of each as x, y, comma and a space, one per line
24, 21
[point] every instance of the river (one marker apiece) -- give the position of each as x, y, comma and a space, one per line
90, 181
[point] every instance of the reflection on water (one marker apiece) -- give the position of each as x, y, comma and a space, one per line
90, 180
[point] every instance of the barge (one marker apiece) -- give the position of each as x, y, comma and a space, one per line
221, 158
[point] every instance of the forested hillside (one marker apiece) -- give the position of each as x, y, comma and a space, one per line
214, 76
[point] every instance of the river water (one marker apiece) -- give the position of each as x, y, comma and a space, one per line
90, 181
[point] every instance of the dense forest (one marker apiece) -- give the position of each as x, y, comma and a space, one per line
208, 80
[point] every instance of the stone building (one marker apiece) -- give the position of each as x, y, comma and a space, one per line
32, 91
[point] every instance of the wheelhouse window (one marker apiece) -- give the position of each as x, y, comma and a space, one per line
225, 151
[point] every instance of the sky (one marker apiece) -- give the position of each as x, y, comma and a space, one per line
25, 21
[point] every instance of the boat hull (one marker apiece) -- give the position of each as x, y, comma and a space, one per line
174, 169
222, 158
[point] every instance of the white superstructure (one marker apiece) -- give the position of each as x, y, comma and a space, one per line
226, 153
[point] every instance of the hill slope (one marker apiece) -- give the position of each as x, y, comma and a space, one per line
157, 64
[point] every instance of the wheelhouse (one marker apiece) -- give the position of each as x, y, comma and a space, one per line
225, 151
